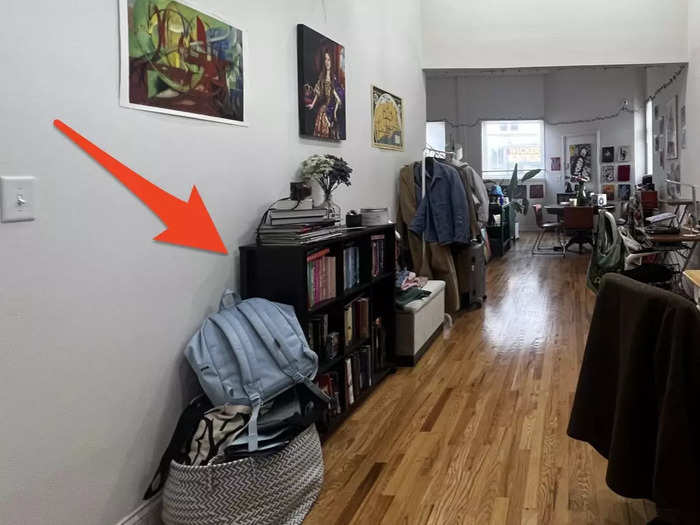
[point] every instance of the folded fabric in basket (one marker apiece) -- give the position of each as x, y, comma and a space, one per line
218, 427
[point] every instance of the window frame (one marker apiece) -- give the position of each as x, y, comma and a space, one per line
506, 174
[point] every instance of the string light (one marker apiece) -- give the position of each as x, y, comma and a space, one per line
624, 108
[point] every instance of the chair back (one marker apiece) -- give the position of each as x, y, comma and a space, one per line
537, 209
578, 217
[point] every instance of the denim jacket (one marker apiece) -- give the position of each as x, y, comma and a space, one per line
443, 216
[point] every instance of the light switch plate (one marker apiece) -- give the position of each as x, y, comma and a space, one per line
16, 198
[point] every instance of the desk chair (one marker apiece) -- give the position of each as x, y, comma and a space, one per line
545, 227
578, 221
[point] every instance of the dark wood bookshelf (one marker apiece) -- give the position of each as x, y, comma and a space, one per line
279, 273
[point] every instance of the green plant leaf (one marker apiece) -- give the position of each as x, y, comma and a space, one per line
526, 206
513, 186
530, 174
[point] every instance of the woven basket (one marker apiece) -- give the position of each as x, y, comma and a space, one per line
277, 490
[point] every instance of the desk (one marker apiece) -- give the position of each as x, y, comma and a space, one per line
685, 251
579, 238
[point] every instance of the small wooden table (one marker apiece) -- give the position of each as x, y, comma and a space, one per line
686, 240
694, 277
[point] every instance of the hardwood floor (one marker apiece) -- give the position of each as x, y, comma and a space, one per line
476, 432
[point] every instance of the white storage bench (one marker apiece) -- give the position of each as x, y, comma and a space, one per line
419, 323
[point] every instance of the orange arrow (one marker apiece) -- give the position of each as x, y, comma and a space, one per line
189, 223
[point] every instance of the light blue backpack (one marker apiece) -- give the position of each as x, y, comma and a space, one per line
248, 353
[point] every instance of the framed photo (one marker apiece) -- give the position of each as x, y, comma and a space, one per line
607, 154
179, 59
387, 120
672, 128
556, 164
607, 173
623, 173
321, 72
624, 154
624, 191
657, 142
609, 191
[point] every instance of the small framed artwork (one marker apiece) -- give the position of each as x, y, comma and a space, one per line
674, 174
321, 85
387, 120
623, 173
624, 191
607, 173
682, 117
609, 191
607, 154
657, 143
662, 158
656, 111
624, 154
662, 125
556, 164
537, 191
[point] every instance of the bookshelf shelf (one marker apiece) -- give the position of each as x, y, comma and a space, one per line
292, 274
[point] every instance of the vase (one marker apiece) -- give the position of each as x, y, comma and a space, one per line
331, 206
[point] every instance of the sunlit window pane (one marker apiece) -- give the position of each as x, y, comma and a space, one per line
505, 142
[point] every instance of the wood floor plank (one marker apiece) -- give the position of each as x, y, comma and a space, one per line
476, 432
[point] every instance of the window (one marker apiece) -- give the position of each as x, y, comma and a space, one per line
649, 136
505, 142
435, 134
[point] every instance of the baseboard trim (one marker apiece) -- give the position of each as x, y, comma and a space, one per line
148, 513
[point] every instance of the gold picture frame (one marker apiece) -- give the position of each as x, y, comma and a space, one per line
387, 120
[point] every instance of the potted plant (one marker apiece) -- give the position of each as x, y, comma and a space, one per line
519, 205
329, 172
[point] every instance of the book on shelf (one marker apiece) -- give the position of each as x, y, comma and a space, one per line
301, 215
378, 344
357, 386
330, 384
349, 393
320, 277
291, 204
351, 267
377, 254
356, 318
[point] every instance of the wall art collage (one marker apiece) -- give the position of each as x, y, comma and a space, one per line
616, 172
181, 60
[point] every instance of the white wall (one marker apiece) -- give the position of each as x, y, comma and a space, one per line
94, 315
556, 95
531, 33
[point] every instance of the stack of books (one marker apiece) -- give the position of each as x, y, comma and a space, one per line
293, 223
326, 344
320, 277
358, 374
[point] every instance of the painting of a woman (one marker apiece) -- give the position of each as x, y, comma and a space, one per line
321, 86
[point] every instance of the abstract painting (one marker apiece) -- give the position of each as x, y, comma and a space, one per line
178, 59
607, 173
387, 120
624, 191
321, 72
623, 173
556, 164
672, 128
609, 191
607, 154
624, 154
537, 191
580, 160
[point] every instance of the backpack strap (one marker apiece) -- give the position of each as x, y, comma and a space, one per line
235, 299
243, 350
266, 328
182, 436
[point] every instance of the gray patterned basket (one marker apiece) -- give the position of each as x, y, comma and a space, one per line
277, 490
